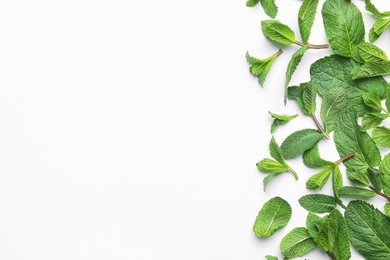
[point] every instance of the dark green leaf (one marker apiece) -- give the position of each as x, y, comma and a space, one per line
273, 216
371, 69
347, 191
300, 141
297, 243
333, 103
317, 203
312, 158
305, 95
368, 230
343, 24
313, 225
306, 16
337, 183
358, 178
375, 176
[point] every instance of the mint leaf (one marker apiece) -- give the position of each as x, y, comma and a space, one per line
305, 95
278, 32
372, 9
371, 69
336, 71
317, 203
368, 230
317, 181
372, 100
297, 243
333, 102
381, 136
372, 120
358, 178
270, 257
371, 53
375, 176
312, 158
269, 6
300, 141
280, 120
377, 29
306, 16
387, 208
385, 168
347, 191
343, 24
337, 183
313, 225
252, 3
270, 166
292, 65
349, 138
260, 68
273, 216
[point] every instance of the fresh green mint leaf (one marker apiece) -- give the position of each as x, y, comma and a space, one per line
372, 100
278, 32
269, 6
371, 53
312, 158
368, 230
343, 24
358, 178
297, 243
292, 66
306, 16
337, 183
276, 151
270, 257
349, 138
385, 169
372, 9
387, 102
372, 120
377, 29
313, 225
317, 181
356, 192
381, 136
336, 71
333, 103
274, 215
300, 141
387, 208
270, 166
371, 69
252, 3
318, 203
280, 120
305, 95
260, 68
375, 176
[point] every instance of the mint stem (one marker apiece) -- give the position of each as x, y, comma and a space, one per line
379, 193
293, 172
319, 126
312, 46
345, 157
278, 53
386, 111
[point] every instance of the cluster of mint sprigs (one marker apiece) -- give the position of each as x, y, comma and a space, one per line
351, 86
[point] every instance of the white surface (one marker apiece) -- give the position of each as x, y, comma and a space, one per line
131, 129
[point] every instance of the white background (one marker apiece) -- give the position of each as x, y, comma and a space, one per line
131, 129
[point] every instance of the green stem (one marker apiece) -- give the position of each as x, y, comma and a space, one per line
278, 53
293, 172
319, 126
345, 157
312, 46
379, 193
386, 111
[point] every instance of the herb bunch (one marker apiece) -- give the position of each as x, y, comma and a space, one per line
355, 101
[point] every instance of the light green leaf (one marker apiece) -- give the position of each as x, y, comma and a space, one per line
280, 120
372, 100
270, 257
387, 209
292, 65
300, 141
269, 6
260, 68
270, 166
278, 32
336, 71
372, 9
372, 120
347, 191
333, 103
377, 29
318, 180
252, 3
343, 24
312, 158
273, 216
337, 183
349, 138
385, 169
381, 136
318, 203
358, 178
387, 102
297, 243
371, 53
305, 95
371, 69
313, 225
368, 230
306, 16
276, 151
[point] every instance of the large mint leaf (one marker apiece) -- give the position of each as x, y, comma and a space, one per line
356, 192
317, 203
297, 243
349, 138
334, 101
312, 158
278, 32
306, 16
343, 24
300, 141
336, 71
274, 215
368, 230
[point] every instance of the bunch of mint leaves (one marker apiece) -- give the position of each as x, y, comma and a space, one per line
355, 101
